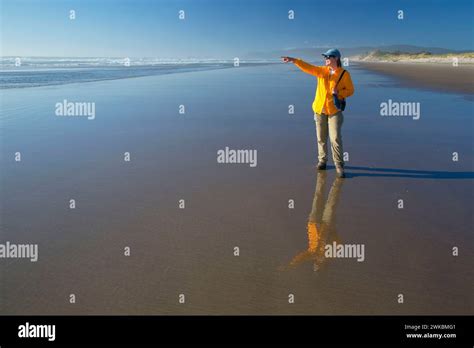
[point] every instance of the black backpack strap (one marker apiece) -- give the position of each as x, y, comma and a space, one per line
340, 77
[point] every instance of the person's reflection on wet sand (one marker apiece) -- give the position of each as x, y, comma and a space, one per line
321, 222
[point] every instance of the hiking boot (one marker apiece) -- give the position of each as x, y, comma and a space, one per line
340, 171
321, 166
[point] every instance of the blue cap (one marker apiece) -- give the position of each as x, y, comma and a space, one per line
332, 52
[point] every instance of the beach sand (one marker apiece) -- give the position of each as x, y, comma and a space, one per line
191, 251
437, 76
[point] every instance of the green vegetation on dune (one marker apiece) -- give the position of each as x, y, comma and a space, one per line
395, 56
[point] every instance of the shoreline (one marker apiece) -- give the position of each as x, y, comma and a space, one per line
441, 77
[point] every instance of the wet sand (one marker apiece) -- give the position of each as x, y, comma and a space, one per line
191, 251
437, 76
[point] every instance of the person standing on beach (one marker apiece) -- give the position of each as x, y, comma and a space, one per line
334, 85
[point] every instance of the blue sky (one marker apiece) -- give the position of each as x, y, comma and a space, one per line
225, 28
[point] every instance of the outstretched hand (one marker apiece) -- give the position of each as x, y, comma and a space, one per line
288, 59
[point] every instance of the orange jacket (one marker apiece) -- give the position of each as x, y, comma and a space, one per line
326, 82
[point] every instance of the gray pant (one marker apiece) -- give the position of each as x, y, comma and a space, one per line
329, 125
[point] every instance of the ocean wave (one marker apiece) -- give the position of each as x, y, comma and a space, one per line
61, 71
65, 62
